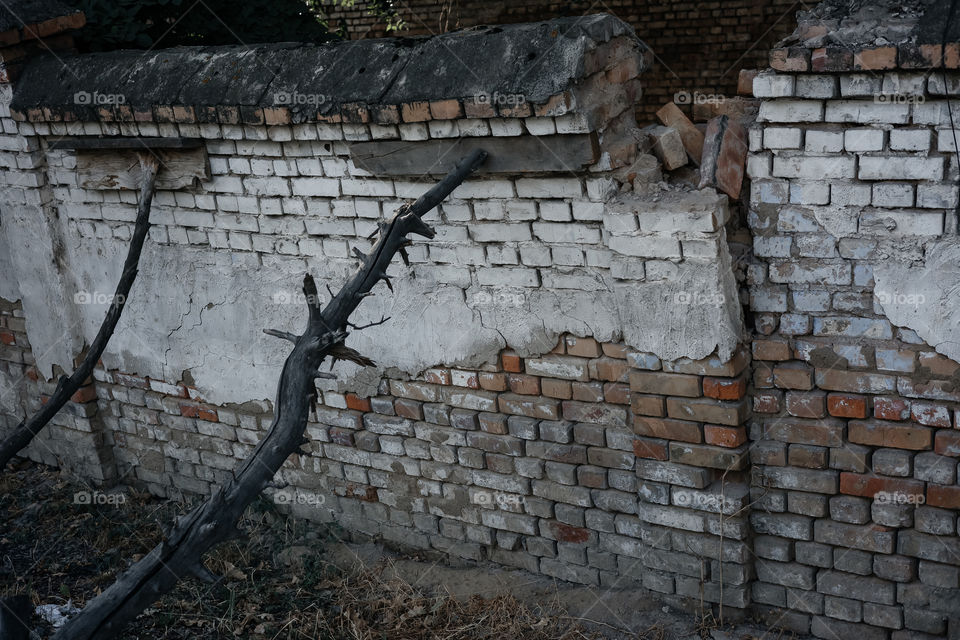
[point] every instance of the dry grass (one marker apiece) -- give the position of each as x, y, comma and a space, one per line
57, 551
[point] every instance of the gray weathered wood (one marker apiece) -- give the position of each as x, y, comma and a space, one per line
520, 154
181, 552
120, 169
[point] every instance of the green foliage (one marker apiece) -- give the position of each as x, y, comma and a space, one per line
147, 24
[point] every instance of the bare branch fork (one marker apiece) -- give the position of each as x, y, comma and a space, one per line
21, 436
181, 551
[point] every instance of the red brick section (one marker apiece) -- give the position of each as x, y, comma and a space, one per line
199, 412
357, 403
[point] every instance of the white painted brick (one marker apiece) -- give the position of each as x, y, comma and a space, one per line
507, 277
587, 211
759, 164
900, 168
413, 131
499, 254
646, 246
755, 138
867, 112
367, 187
572, 123
506, 126
701, 248
937, 196
443, 128
474, 127
909, 139
899, 83
266, 186
481, 189
782, 137
600, 189
535, 255
892, 194
810, 273
814, 167
772, 247
844, 194
863, 139
567, 256
383, 131
901, 223
566, 232
860, 84
540, 126
769, 191
500, 232
771, 85
822, 86
620, 223
812, 192
488, 210
823, 141
791, 111
947, 139
325, 187
549, 188
937, 87
555, 210
797, 220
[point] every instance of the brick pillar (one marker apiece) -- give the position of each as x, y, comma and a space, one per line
692, 467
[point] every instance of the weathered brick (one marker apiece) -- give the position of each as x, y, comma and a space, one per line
707, 456
707, 410
671, 384
667, 429
889, 434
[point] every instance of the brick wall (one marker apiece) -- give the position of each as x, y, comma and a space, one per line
699, 47
854, 433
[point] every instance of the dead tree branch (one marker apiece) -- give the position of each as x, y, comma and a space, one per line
181, 552
68, 385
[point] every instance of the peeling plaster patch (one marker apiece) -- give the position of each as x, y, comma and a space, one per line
838, 221
9, 288
202, 311
32, 236
691, 317
924, 298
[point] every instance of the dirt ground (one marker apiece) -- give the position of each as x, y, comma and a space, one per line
62, 542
